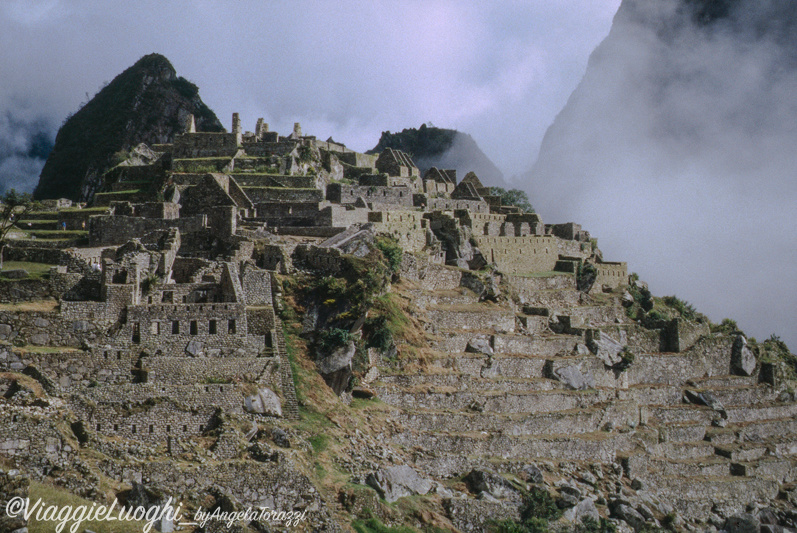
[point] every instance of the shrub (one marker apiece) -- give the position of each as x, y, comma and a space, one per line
590, 525
334, 338
391, 251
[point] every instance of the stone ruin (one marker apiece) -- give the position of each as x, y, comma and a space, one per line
166, 328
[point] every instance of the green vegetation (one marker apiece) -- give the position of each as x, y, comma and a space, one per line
585, 276
423, 142
727, 327
627, 358
15, 207
63, 498
94, 138
774, 350
683, 308
374, 525
319, 442
539, 508
514, 197
35, 270
386, 322
334, 338
391, 250
590, 525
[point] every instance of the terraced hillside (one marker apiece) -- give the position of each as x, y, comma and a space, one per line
523, 385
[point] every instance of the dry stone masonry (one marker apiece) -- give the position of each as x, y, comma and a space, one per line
154, 353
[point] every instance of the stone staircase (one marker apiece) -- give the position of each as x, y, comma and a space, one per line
489, 397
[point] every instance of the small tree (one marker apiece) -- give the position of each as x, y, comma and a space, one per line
514, 197
15, 206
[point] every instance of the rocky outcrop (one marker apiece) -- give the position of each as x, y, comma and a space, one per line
442, 148
395, 482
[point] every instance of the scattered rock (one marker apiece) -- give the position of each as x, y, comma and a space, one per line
480, 344
742, 523
480, 481
194, 348
265, 402
39, 339
704, 398
767, 515
363, 392
566, 501
742, 358
280, 438
627, 299
605, 347
573, 378
584, 509
531, 474
623, 511
395, 482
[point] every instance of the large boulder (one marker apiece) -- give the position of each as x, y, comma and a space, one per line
195, 348
574, 378
480, 344
605, 347
395, 482
335, 368
742, 358
482, 481
584, 509
264, 402
743, 523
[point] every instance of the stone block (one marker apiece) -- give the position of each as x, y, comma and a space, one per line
40, 339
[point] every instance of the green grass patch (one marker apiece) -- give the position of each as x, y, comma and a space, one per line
35, 270
319, 442
54, 234
118, 193
374, 525
94, 210
62, 498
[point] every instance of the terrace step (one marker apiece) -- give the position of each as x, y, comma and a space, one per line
465, 382
574, 421
529, 402
593, 447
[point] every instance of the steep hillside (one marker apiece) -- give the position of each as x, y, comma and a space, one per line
683, 120
148, 103
442, 148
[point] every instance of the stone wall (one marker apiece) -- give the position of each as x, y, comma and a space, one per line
226, 371
448, 204
115, 230
260, 195
32, 439
154, 420
515, 255
611, 274
348, 194
47, 328
429, 274
407, 227
67, 369
194, 145
182, 328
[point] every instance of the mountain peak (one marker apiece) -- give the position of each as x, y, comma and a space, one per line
147, 103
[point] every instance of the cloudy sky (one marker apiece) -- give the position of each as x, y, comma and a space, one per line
678, 151
497, 70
